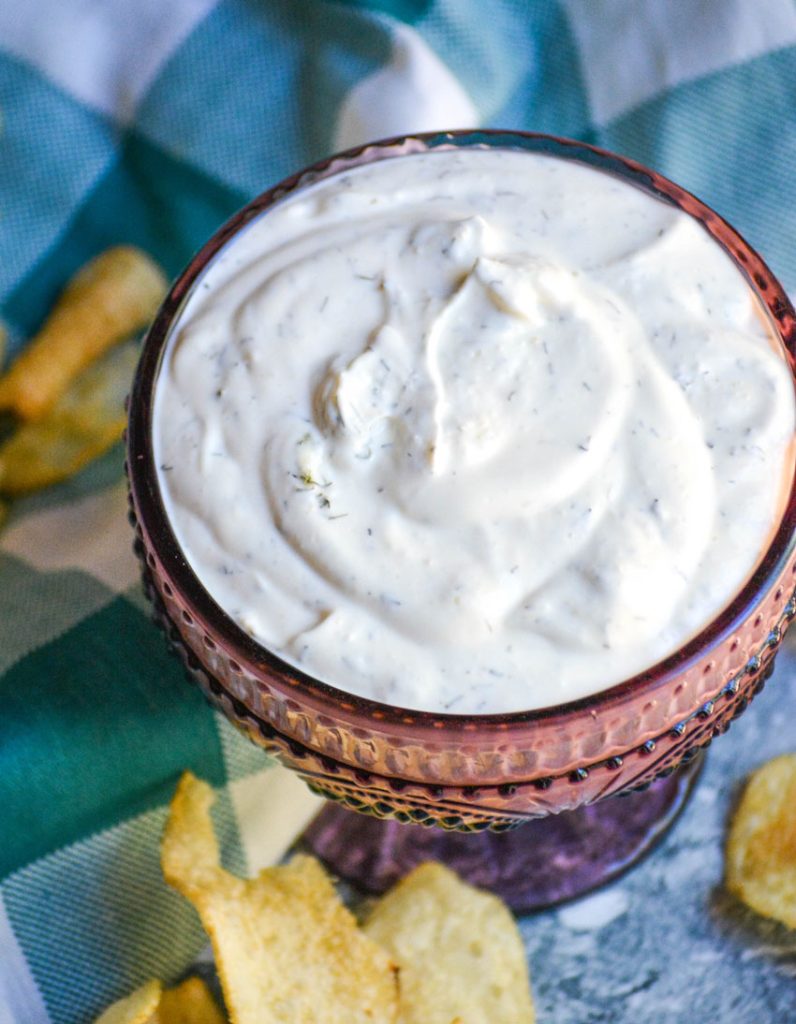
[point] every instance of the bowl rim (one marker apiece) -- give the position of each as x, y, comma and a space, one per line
319, 695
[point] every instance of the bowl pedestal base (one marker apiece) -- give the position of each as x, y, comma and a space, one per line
543, 862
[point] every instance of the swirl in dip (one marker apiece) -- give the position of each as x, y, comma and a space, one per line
473, 431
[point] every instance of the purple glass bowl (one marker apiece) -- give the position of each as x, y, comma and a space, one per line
463, 772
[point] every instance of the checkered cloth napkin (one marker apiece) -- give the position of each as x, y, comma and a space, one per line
150, 123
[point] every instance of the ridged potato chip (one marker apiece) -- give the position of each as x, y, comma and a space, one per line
286, 949
113, 296
761, 846
138, 1008
85, 421
189, 1003
460, 956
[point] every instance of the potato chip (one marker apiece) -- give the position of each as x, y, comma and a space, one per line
113, 296
138, 1008
286, 949
761, 847
189, 1003
460, 956
85, 421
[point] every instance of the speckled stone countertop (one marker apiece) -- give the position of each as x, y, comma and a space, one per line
666, 943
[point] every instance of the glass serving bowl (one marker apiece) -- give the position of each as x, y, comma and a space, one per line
473, 774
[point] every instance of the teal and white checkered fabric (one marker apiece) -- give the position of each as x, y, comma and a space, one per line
149, 123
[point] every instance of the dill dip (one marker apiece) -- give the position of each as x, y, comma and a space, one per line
473, 431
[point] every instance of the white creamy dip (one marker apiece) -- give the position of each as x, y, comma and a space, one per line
473, 431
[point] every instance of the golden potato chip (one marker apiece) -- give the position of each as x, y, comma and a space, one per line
138, 1008
761, 847
113, 296
189, 1003
460, 956
85, 421
286, 949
